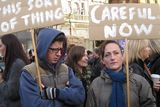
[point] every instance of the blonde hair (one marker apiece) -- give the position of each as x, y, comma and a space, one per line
155, 46
134, 48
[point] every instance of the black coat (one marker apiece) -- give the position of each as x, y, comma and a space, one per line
96, 66
138, 68
155, 69
9, 89
155, 64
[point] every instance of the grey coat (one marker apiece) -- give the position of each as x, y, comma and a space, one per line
101, 88
9, 89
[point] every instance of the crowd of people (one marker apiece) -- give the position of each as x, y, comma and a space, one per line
72, 76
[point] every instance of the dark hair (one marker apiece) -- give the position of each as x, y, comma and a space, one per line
30, 52
14, 50
103, 45
61, 38
97, 51
89, 52
31, 55
74, 55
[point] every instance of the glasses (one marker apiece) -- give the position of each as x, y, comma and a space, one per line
55, 50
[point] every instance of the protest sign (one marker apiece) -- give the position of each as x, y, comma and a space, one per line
19, 15
119, 21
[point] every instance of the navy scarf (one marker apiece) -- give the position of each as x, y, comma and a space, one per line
117, 98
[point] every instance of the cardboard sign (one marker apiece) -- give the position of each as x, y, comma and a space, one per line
119, 21
19, 15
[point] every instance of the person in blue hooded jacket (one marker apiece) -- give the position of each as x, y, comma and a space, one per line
61, 88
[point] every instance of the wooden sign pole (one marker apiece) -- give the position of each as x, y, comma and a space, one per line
127, 73
36, 60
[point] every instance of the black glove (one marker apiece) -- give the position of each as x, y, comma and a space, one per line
51, 93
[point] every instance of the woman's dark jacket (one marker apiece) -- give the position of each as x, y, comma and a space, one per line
138, 68
9, 89
154, 66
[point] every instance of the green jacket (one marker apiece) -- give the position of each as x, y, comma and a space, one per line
101, 89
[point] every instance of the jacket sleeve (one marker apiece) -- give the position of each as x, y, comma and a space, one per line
146, 95
30, 93
75, 93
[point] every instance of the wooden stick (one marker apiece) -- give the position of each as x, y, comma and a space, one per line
36, 60
127, 72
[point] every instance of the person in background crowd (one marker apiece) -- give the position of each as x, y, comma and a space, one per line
61, 88
137, 58
154, 65
89, 54
31, 55
95, 64
15, 59
109, 89
77, 59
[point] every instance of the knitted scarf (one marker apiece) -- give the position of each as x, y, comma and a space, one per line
117, 98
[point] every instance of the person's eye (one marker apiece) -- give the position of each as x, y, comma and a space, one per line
116, 53
106, 55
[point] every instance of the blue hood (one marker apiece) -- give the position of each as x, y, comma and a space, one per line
44, 40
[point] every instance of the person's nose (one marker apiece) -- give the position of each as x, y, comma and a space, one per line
112, 56
59, 53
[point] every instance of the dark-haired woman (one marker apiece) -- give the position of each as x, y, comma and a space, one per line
109, 89
77, 59
15, 59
